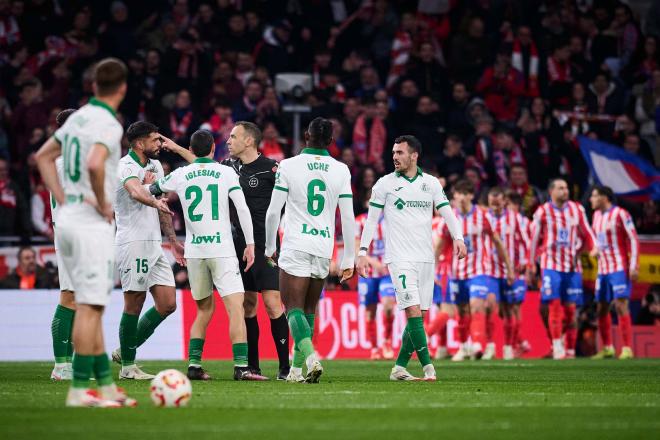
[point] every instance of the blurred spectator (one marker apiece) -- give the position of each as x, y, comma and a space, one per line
501, 86
451, 164
220, 124
525, 59
14, 209
531, 195
470, 52
606, 98
28, 274
560, 76
369, 137
272, 145
426, 125
649, 314
457, 110
117, 36
182, 120
274, 51
365, 181
644, 62
650, 219
246, 108
431, 78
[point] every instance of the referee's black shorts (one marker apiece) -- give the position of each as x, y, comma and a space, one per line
261, 275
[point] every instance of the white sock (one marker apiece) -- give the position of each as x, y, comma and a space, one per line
296, 370
429, 370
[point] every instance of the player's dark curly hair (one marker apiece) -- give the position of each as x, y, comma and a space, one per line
62, 116
605, 191
138, 130
201, 143
320, 133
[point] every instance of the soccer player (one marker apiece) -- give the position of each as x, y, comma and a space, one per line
557, 227
469, 283
510, 228
445, 309
618, 265
204, 188
90, 141
312, 185
256, 174
374, 288
142, 265
514, 298
62, 325
406, 199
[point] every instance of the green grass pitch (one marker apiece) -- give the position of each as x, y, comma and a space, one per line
579, 399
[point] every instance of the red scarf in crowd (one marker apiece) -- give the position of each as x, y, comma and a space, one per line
7, 195
369, 147
533, 68
558, 71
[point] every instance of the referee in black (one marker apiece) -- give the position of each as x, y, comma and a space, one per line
256, 174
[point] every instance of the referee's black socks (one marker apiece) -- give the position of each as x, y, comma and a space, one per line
252, 327
280, 329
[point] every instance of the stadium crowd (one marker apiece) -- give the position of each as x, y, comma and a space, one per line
497, 91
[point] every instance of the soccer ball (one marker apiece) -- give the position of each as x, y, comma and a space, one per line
171, 388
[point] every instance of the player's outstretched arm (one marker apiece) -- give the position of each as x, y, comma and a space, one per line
167, 229
367, 236
455, 231
96, 168
139, 193
277, 202
45, 157
170, 145
245, 219
348, 232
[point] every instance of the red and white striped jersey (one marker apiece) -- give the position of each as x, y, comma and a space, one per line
508, 227
617, 240
477, 232
520, 258
443, 265
557, 230
377, 248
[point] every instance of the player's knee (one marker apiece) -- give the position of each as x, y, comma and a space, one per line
167, 308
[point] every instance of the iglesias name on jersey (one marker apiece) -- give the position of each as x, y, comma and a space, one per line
136, 221
203, 188
617, 240
508, 227
477, 232
94, 123
314, 183
408, 205
377, 248
558, 230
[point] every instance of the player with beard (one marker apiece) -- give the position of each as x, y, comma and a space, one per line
142, 265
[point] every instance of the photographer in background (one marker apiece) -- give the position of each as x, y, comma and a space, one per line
28, 274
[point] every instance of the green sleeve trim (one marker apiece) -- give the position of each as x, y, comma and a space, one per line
158, 186
345, 196
440, 205
376, 205
233, 188
128, 178
281, 188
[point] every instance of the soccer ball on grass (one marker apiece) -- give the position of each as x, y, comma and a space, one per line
171, 388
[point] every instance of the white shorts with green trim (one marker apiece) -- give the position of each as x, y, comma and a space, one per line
223, 272
141, 265
62, 273
413, 284
304, 265
87, 256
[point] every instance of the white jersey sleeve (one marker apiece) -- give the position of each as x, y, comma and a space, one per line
439, 196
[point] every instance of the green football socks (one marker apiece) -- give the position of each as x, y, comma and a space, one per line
147, 324
83, 365
102, 370
406, 350
195, 349
128, 338
298, 358
61, 328
240, 351
418, 339
302, 334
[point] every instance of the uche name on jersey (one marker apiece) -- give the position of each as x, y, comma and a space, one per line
318, 166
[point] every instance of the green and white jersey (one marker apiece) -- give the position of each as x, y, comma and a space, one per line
408, 213
135, 221
314, 182
93, 123
203, 188
54, 207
